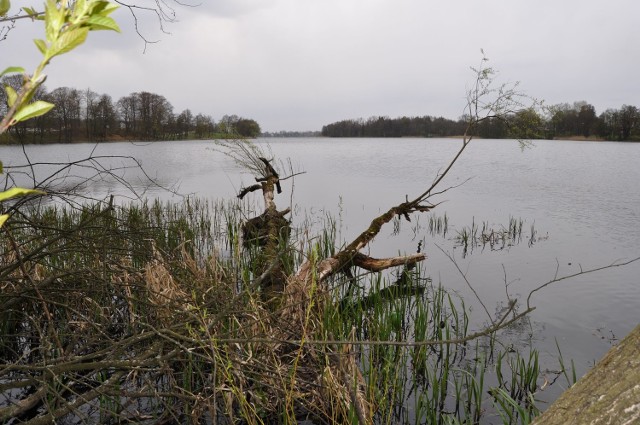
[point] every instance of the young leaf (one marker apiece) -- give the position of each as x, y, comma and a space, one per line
103, 7
3, 218
98, 22
54, 20
42, 45
32, 110
29, 11
80, 5
14, 192
12, 96
12, 70
109, 7
69, 41
5, 5
34, 14
49, 13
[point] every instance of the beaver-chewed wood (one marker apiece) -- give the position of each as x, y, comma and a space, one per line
258, 230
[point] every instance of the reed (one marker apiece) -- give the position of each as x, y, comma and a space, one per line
148, 312
495, 238
438, 225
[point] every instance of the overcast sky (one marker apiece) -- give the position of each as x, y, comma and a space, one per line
301, 64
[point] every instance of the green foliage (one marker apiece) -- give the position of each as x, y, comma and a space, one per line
526, 124
13, 193
66, 28
33, 110
247, 128
233, 126
5, 5
12, 69
16, 191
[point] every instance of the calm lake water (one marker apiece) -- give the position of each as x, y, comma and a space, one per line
583, 199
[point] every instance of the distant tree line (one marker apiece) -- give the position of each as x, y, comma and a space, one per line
395, 127
291, 134
579, 120
90, 116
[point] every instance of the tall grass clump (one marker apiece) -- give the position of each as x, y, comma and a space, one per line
484, 235
153, 313
415, 359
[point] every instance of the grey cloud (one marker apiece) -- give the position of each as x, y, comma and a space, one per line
299, 64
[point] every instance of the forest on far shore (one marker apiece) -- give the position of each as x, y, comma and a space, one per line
562, 121
90, 116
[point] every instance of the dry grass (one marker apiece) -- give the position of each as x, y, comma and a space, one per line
135, 324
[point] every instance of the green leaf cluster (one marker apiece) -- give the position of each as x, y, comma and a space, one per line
5, 5
13, 193
66, 27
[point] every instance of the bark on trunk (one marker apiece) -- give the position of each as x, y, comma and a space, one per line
608, 394
268, 231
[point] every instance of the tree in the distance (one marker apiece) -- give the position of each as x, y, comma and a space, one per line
247, 127
629, 120
587, 119
184, 123
66, 113
204, 126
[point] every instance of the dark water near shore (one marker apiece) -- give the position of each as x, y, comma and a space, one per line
582, 198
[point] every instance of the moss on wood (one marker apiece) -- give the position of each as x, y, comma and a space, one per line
608, 394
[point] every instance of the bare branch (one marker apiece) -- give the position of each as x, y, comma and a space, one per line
464, 277
558, 278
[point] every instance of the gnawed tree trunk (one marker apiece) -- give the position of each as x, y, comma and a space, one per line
268, 231
297, 299
608, 394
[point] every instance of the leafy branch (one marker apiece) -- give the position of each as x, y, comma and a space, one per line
66, 27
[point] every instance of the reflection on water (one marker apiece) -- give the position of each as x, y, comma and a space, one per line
583, 195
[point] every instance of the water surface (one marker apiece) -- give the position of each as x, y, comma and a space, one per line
581, 197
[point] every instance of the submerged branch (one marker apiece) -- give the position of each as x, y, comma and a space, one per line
379, 264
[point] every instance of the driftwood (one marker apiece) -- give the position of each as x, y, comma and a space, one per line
608, 394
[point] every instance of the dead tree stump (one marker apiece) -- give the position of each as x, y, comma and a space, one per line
268, 233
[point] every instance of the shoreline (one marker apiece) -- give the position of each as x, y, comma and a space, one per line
120, 139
